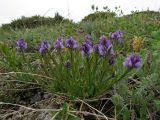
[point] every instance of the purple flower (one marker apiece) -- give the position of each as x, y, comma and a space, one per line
86, 49
133, 61
58, 44
117, 35
68, 64
105, 42
89, 40
98, 48
21, 44
88, 37
44, 46
71, 43
112, 60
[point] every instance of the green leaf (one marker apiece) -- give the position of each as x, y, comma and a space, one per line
126, 113
157, 103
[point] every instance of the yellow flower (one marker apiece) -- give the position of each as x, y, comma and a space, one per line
137, 43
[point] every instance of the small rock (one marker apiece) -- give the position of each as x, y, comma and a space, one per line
44, 116
47, 95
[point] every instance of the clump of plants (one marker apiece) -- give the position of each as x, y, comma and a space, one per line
34, 22
80, 69
99, 15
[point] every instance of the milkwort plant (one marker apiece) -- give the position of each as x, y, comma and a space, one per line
86, 69
83, 69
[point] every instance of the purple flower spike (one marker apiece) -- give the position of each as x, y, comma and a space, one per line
112, 60
88, 37
89, 40
68, 64
86, 49
71, 43
21, 44
58, 44
133, 61
98, 48
118, 35
105, 42
44, 46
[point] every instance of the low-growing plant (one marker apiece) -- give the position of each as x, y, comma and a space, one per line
79, 69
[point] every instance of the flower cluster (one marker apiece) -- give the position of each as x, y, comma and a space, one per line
118, 35
44, 46
98, 48
21, 44
58, 44
85, 66
112, 60
89, 40
133, 61
71, 43
102, 48
86, 49
68, 64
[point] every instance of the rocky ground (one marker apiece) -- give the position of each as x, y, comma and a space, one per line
29, 103
32, 103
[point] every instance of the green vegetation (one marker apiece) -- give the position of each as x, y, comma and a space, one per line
98, 15
134, 96
34, 21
